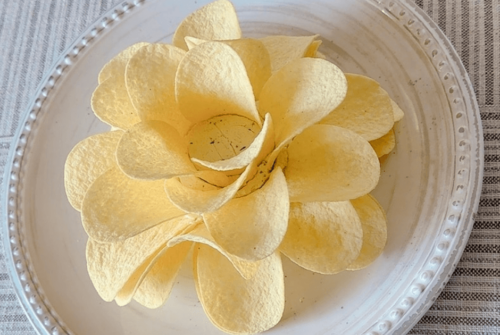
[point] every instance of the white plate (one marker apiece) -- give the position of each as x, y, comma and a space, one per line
430, 185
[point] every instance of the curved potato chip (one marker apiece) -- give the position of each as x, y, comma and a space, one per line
215, 21
195, 183
374, 224
384, 144
286, 49
153, 150
88, 160
397, 111
156, 285
254, 55
200, 235
236, 305
366, 109
252, 227
261, 146
301, 94
312, 50
194, 201
117, 207
204, 88
320, 55
150, 80
328, 163
116, 66
111, 104
111, 265
323, 237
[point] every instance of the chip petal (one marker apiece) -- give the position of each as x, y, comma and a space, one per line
150, 80
234, 304
323, 237
156, 286
261, 146
116, 66
117, 207
374, 224
215, 21
328, 163
111, 104
153, 150
252, 227
201, 235
204, 88
285, 49
384, 144
88, 160
111, 265
301, 94
366, 109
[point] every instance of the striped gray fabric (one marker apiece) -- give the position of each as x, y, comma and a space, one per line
34, 33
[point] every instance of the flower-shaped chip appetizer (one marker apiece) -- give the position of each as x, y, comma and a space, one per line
238, 150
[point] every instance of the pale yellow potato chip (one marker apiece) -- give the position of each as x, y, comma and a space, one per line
312, 50
194, 201
323, 237
195, 183
201, 235
111, 265
155, 288
117, 207
328, 163
366, 109
374, 224
254, 55
116, 66
397, 111
204, 88
319, 54
301, 94
236, 305
261, 146
252, 227
215, 21
221, 138
286, 49
153, 150
88, 160
384, 144
150, 79
111, 104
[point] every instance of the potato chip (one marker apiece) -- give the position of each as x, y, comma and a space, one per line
88, 160
261, 146
252, 227
366, 109
374, 224
116, 66
155, 288
254, 55
200, 235
110, 265
323, 237
111, 104
397, 111
194, 201
150, 80
301, 94
385, 144
153, 150
205, 89
236, 305
328, 163
117, 207
215, 21
312, 50
286, 49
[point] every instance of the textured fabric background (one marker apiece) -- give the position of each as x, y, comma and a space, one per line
34, 33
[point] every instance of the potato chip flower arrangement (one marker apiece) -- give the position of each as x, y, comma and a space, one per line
232, 151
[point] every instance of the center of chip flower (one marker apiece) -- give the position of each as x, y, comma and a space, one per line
221, 137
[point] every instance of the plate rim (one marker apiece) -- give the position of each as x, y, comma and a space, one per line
33, 301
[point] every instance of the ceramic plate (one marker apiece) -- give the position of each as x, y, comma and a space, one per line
430, 184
